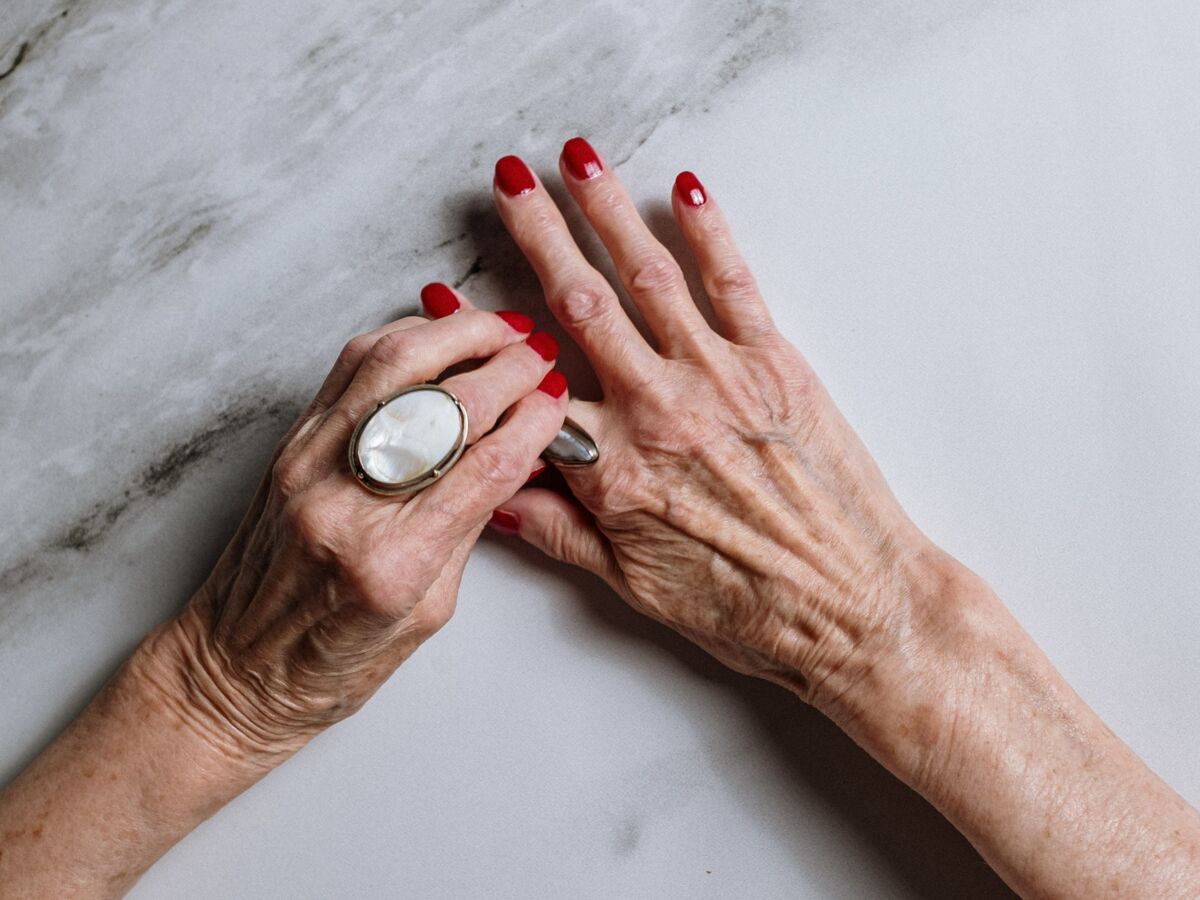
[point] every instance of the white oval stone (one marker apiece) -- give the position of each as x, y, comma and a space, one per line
409, 436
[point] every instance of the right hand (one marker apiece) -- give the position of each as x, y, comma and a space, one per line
731, 500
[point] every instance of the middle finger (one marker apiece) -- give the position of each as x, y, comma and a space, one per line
579, 296
646, 268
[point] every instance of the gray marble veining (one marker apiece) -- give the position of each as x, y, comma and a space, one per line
203, 200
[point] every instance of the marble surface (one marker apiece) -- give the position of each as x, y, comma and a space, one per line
979, 218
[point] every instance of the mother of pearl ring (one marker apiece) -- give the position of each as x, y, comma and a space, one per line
413, 438
409, 441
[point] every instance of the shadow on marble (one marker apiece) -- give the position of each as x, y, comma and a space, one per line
922, 850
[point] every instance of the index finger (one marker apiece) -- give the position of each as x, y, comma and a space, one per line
579, 296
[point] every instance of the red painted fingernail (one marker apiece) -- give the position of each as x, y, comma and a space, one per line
582, 161
439, 301
504, 521
517, 321
537, 470
690, 190
513, 176
546, 346
554, 384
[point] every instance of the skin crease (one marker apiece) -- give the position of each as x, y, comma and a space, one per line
731, 501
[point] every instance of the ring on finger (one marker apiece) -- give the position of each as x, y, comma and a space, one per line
409, 440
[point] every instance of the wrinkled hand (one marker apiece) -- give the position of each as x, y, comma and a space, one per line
327, 588
731, 501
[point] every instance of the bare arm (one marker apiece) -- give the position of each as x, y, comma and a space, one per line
988, 731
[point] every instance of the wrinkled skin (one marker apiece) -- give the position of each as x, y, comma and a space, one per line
327, 588
732, 501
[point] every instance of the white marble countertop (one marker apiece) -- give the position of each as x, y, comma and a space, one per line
979, 218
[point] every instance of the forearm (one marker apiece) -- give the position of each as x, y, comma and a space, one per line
979, 722
123, 783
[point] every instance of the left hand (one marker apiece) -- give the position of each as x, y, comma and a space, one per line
327, 588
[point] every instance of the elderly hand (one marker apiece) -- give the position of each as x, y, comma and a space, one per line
326, 588
733, 502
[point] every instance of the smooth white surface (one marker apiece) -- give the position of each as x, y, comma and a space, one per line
409, 436
980, 220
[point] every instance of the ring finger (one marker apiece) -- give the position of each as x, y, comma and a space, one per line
508, 376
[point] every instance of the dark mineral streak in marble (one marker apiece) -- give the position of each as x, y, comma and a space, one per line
156, 479
26, 45
17, 60
475, 268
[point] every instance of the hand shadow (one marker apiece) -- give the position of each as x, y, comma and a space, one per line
926, 854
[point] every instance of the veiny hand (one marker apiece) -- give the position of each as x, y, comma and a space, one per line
731, 500
327, 588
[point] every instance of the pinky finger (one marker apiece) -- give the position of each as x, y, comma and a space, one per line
739, 307
558, 527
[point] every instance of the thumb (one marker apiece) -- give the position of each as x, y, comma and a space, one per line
559, 527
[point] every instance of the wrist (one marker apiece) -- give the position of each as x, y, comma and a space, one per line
178, 669
911, 684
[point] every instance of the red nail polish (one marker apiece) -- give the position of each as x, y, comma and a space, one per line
504, 521
546, 346
537, 470
517, 321
582, 161
514, 176
690, 190
439, 301
554, 384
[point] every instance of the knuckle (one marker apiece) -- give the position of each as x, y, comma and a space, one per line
355, 349
537, 221
311, 525
607, 201
394, 349
734, 280
581, 305
498, 465
654, 275
290, 474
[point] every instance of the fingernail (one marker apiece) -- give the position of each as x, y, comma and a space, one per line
439, 301
537, 470
504, 521
554, 384
546, 346
690, 190
582, 161
513, 176
517, 321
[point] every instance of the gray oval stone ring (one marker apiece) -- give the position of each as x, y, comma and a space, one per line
409, 441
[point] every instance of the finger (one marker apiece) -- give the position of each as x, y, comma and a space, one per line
491, 471
508, 376
646, 269
558, 527
441, 300
351, 357
579, 296
741, 313
403, 358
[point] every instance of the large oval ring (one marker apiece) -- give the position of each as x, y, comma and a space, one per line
409, 441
